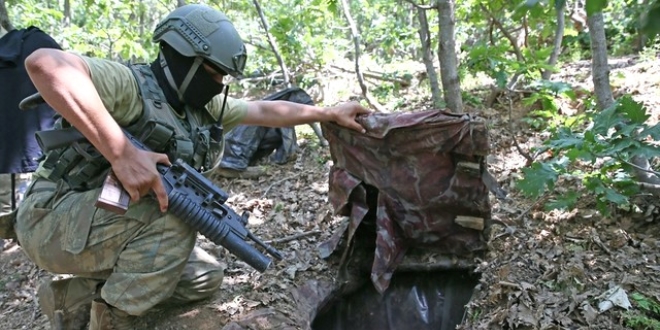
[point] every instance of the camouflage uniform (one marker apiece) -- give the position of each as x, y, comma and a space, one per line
21, 182
143, 256
140, 255
5, 193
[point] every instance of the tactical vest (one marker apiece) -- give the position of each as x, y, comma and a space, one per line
159, 127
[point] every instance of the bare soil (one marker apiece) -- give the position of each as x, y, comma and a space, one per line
543, 270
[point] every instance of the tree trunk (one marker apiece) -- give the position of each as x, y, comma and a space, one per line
451, 85
560, 8
67, 13
427, 55
601, 78
356, 41
599, 68
180, 3
4, 17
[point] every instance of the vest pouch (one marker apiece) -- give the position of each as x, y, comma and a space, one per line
156, 135
182, 148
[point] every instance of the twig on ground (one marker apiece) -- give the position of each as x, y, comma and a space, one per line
280, 181
596, 239
539, 200
293, 237
510, 284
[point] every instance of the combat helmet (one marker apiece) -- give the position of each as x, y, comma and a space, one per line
200, 31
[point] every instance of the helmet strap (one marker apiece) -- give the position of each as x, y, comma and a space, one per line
189, 76
186, 81
168, 75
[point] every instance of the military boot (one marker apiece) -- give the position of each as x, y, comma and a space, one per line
67, 302
106, 317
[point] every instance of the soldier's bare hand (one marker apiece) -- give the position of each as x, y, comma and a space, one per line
139, 176
345, 114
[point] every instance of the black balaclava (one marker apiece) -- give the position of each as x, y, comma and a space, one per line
201, 89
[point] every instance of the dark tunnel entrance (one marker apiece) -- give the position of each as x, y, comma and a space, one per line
415, 300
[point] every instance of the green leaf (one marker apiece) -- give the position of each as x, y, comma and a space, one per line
595, 6
653, 132
501, 78
564, 201
538, 178
605, 119
565, 139
633, 110
613, 196
649, 151
574, 154
617, 146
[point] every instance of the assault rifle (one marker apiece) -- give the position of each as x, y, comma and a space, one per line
192, 197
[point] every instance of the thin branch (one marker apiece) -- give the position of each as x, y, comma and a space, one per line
280, 181
378, 76
256, 44
293, 237
356, 42
280, 61
529, 158
506, 33
560, 8
638, 167
531, 207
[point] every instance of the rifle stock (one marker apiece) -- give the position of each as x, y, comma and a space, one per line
58, 138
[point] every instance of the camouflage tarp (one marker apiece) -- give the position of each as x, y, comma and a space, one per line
424, 171
405, 186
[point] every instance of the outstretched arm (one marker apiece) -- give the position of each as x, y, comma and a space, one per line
64, 81
285, 113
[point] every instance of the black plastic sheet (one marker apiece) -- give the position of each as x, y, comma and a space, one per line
418, 301
245, 145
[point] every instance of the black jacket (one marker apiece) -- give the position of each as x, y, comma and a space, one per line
18, 148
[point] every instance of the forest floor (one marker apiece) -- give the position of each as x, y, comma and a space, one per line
543, 269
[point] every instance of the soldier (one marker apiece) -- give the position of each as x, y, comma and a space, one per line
126, 264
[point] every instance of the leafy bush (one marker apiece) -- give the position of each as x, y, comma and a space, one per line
546, 94
647, 315
595, 150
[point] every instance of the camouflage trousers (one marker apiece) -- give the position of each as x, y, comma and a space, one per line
144, 256
8, 197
